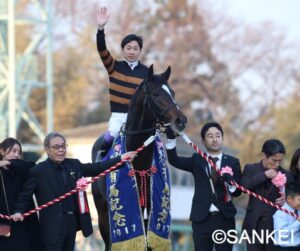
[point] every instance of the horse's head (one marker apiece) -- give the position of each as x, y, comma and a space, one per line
159, 99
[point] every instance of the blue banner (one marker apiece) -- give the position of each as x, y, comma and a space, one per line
124, 210
160, 218
126, 220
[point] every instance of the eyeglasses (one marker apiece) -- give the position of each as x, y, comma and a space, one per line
57, 147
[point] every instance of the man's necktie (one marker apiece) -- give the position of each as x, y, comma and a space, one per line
63, 174
68, 203
213, 172
296, 212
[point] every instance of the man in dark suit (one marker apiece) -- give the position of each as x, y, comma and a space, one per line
53, 178
212, 206
258, 177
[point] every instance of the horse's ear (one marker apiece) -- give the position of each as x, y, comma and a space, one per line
150, 72
166, 74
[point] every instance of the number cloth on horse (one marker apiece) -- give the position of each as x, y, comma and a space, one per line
127, 228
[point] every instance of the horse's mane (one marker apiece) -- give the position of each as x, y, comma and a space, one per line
136, 94
154, 79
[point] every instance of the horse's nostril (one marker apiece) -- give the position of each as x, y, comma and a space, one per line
180, 123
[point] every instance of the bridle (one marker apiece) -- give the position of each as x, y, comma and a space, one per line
150, 104
158, 113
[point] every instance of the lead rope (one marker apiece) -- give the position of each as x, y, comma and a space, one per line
233, 183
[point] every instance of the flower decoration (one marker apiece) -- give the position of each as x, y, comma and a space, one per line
131, 172
82, 184
153, 169
280, 180
226, 169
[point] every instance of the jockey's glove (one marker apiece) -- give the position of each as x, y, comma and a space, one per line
171, 143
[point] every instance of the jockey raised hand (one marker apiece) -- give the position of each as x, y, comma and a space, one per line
102, 17
124, 77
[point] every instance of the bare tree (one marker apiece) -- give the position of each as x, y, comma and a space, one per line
222, 69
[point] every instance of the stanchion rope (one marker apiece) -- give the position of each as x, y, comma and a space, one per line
112, 168
233, 183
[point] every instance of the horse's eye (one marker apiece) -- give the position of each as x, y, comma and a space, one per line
155, 93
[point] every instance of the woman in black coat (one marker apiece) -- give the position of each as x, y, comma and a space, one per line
24, 235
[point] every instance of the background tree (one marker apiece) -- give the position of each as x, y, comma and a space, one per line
241, 75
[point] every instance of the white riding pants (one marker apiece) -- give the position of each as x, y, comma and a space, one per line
115, 123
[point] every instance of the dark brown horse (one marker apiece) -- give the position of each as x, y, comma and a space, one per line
153, 104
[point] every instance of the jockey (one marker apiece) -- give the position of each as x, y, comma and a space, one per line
124, 77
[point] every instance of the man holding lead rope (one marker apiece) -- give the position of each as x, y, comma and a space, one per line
53, 178
212, 207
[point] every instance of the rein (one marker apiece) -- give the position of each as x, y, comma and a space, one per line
152, 129
150, 104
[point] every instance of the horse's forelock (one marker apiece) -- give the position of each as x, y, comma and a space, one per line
159, 81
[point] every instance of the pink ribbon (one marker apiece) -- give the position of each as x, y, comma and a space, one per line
226, 169
82, 184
